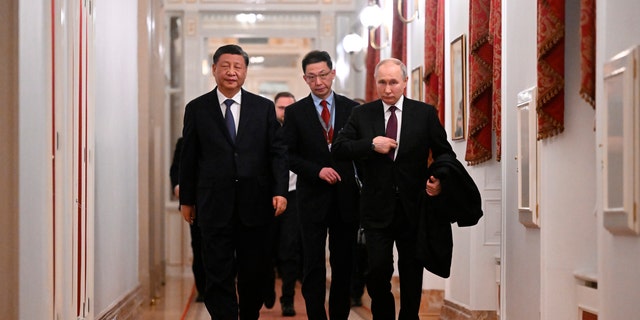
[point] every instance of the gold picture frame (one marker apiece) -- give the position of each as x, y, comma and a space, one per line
458, 88
417, 84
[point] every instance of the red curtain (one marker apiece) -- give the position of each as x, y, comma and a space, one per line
480, 82
550, 104
440, 59
399, 37
495, 37
588, 51
434, 56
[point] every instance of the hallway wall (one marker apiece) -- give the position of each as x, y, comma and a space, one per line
618, 256
34, 156
9, 159
520, 256
116, 151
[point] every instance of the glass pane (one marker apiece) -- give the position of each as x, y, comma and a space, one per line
615, 143
524, 157
175, 52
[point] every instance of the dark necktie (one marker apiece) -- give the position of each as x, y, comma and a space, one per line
326, 117
392, 129
228, 119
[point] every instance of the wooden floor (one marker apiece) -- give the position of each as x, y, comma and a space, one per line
177, 302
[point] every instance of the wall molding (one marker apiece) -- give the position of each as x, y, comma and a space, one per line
127, 308
454, 311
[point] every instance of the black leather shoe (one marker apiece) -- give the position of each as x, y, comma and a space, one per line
288, 310
270, 299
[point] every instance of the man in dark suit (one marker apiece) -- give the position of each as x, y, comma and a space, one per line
326, 188
196, 266
286, 235
234, 170
392, 138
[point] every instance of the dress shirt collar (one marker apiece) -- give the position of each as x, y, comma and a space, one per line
237, 98
316, 101
398, 104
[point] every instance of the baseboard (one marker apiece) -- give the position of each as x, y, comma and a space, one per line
127, 308
454, 311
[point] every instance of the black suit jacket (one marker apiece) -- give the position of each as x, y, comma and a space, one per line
174, 170
383, 179
459, 202
309, 153
221, 174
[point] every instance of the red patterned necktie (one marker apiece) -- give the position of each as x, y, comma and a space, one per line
392, 129
326, 117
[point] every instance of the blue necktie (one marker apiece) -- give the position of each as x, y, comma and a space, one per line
228, 119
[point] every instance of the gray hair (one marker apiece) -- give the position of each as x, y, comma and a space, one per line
395, 61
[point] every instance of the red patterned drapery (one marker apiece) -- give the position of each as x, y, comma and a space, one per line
399, 37
434, 55
430, 74
588, 51
550, 104
480, 82
495, 37
440, 60
373, 57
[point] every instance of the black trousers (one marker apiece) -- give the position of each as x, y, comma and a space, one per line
314, 237
359, 270
235, 254
287, 250
379, 244
197, 265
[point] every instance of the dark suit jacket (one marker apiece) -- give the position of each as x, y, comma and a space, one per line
221, 174
459, 202
382, 178
174, 170
309, 153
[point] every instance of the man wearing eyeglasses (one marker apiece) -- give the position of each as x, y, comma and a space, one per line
326, 188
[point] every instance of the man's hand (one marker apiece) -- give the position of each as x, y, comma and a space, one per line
279, 204
384, 145
176, 191
433, 186
329, 175
188, 213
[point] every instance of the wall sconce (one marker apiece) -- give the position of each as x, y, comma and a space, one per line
415, 12
353, 44
371, 17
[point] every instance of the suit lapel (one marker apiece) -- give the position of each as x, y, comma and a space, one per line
378, 119
407, 122
341, 115
311, 116
218, 116
245, 115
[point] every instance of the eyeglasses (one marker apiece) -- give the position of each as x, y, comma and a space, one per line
313, 77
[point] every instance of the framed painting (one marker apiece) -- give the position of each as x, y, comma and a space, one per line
417, 84
458, 88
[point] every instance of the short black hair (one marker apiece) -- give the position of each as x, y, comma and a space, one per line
316, 56
231, 49
283, 94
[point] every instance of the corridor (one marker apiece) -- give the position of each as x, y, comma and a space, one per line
177, 301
